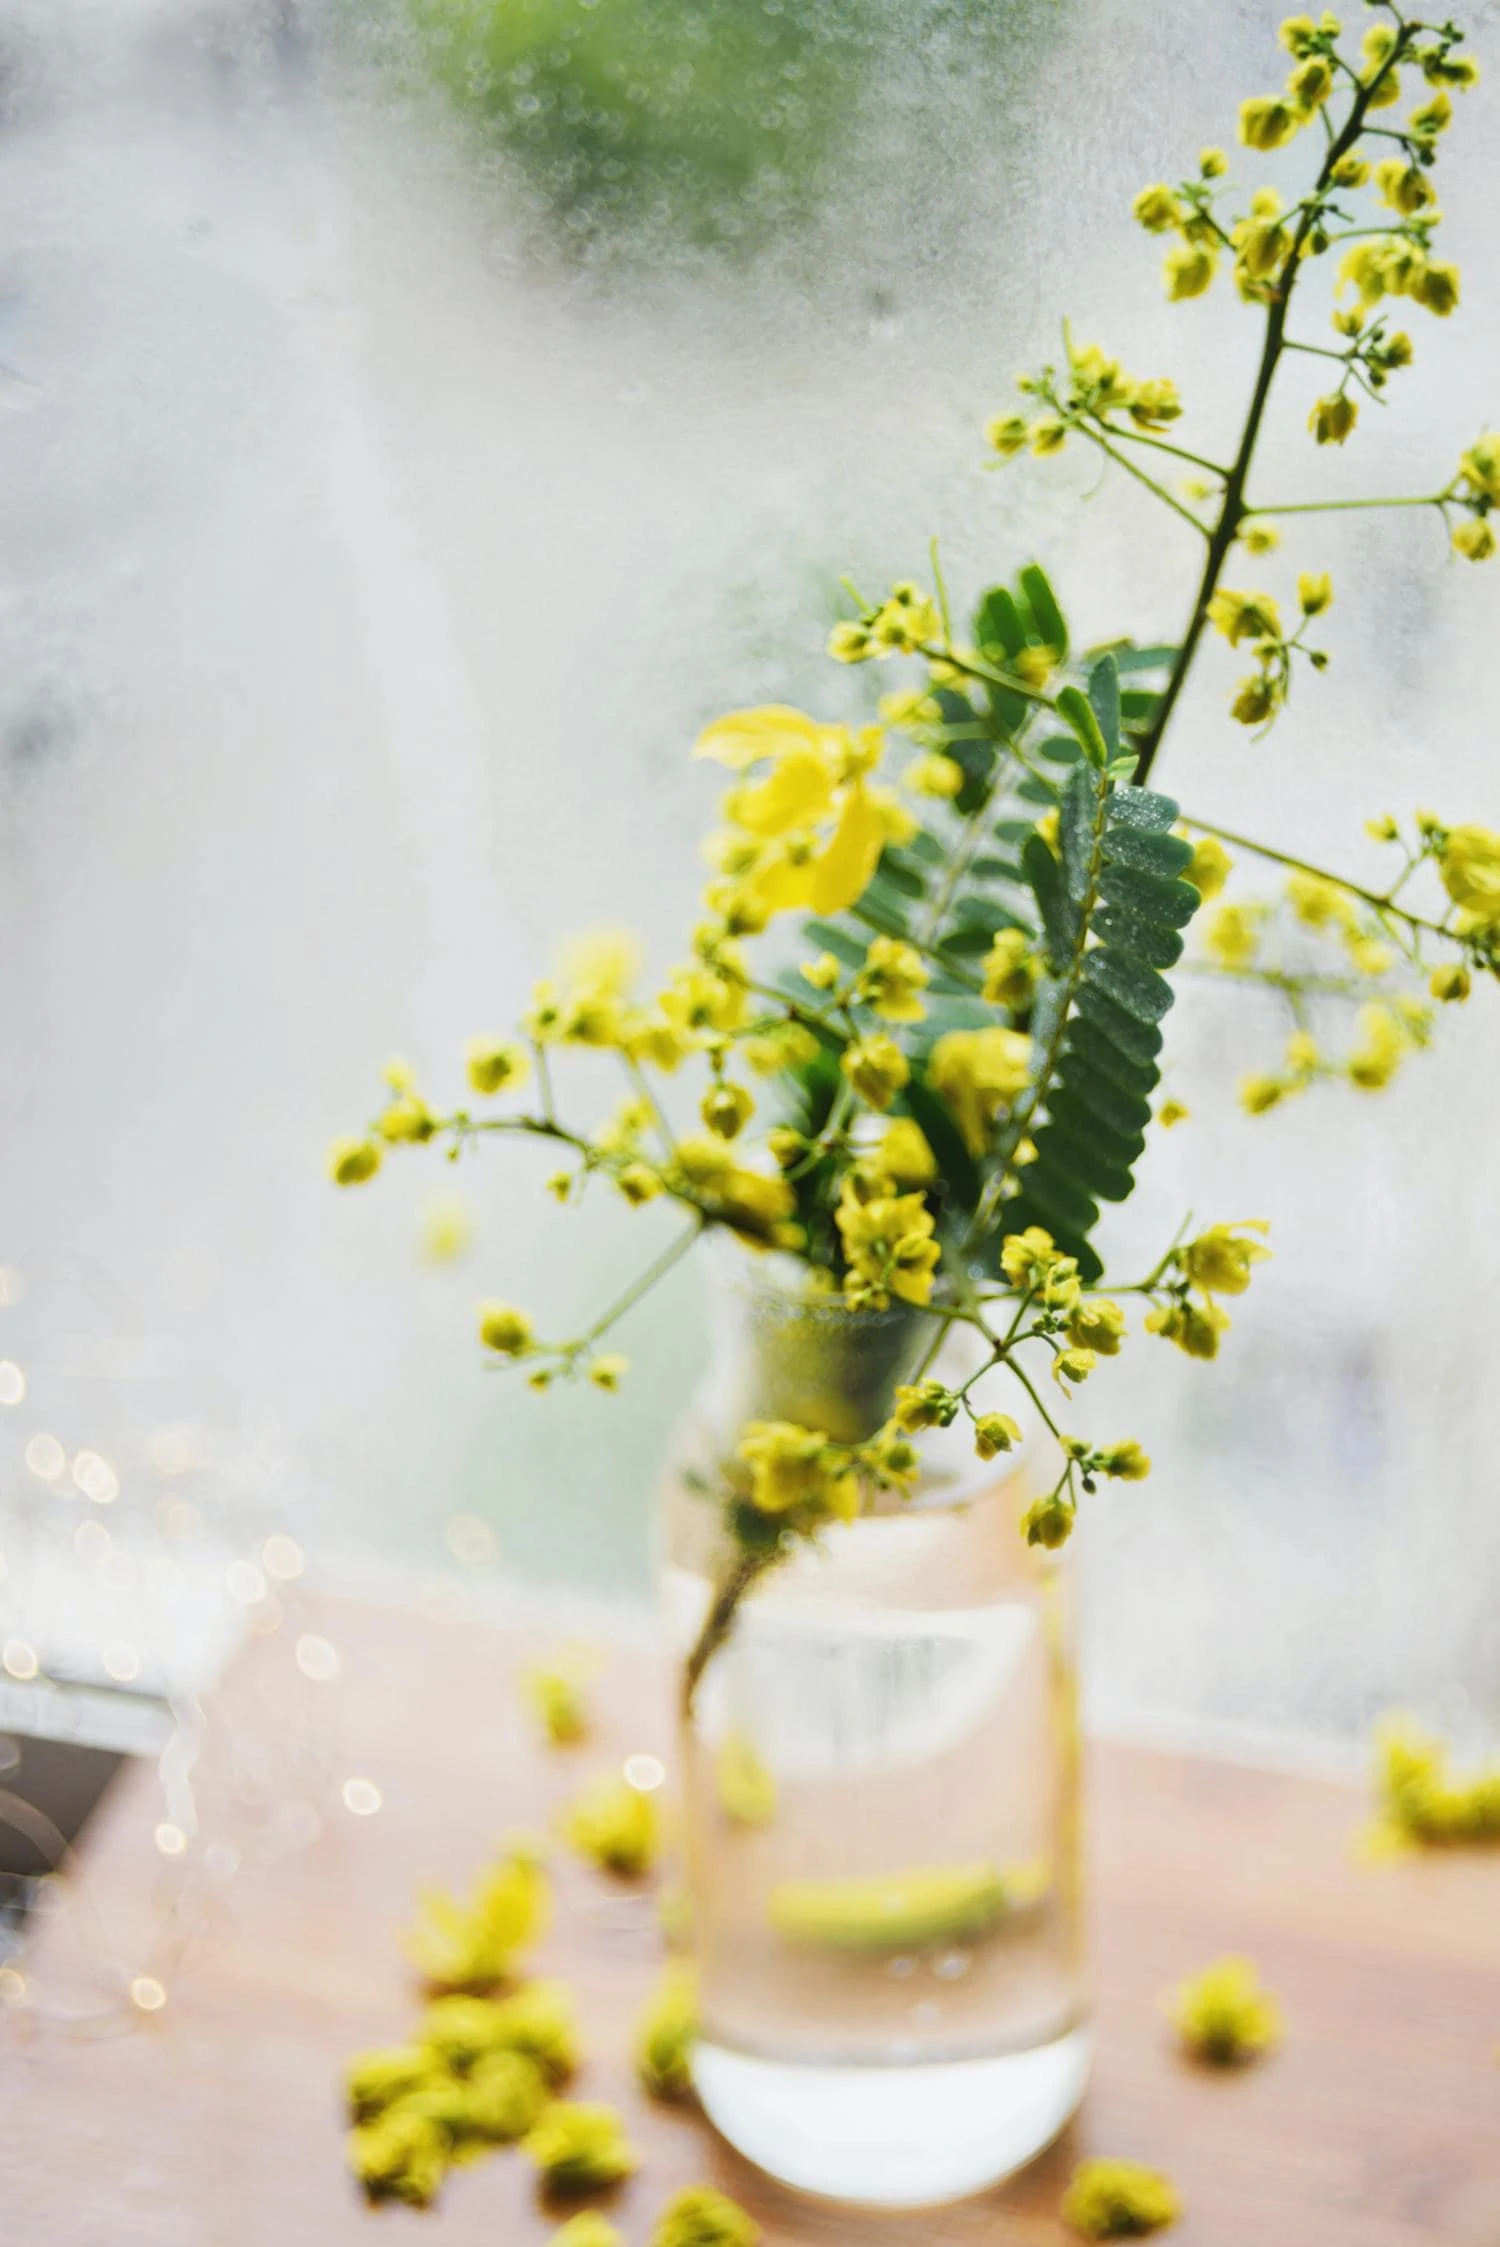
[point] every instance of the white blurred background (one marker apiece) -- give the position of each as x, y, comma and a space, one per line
379, 527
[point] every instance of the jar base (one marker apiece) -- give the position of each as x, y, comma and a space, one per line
893, 2137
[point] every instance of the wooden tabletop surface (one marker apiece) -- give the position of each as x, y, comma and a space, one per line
218, 2122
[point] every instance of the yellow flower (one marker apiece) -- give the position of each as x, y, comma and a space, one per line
700, 2216
1257, 699
1319, 903
1233, 935
607, 1372
1259, 538
1126, 1461
1219, 1260
494, 1063
1268, 121
891, 980
539, 2023
726, 1109
888, 1244
1469, 863
1048, 1521
665, 2035
1158, 209
1073, 1365
1403, 185
1008, 434
1258, 1096
935, 775
821, 826
1010, 969
796, 1470
1209, 867
1311, 86
1223, 2015
473, 1946
980, 1073
1333, 417
406, 1121
1029, 1259
1154, 404
1194, 1328
1475, 539
1241, 616
1097, 1326
877, 1069
1449, 983
1172, 1112
1314, 593
903, 1154
1303, 1054
750, 1204
1189, 270
995, 1432
1297, 34
1421, 1798
505, 1329
1213, 163
1381, 1049
615, 1826
352, 1161
556, 1695
1379, 44
377, 2080
1350, 171
402, 2157
580, 2148
1119, 2200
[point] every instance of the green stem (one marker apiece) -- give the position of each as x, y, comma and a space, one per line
1378, 901
1160, 490
1233, 510
1161, 445
1343, 506
743, 1572
642, 1285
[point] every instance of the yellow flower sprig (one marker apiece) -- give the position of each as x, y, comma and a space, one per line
1224, 2016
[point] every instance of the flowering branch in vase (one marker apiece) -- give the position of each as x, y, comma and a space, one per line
957, 1058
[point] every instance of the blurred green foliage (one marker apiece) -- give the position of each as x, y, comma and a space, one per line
711, 121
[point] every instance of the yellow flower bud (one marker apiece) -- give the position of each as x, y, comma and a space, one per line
1475, 539
1259, 538
1213, 163
1258, 1096
1209, 867
1268, 121
1008, 434
1097, 1327
877, 1069
1219, 1261
1223, 2015
1048, 1521
1449, 983
934, 775
1158, 209
580, 2148
406, 1121
1172, 1112
1241, 616
1333, 417
700, 2216
1297, 34
1311, 85
615, 1826
1255, 701
995, 1432
1193, 1327
822, 973
1125, 1461
726, 1109
1048, 436
606, 1372
850, 643
665, 2035
588, 2229
504, 1329
1073, 1365
493, 1063
1314, 594
1436, 287
1189, 270
1350, 171
352, 1161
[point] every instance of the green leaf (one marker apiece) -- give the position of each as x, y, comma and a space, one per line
1084, 1100
1139, 990
1060, 749
1046, 614
1059, 921
908, 879
1128, 659
1104, 699
1138, 1041
1137, 938
999, 624
1171, 903
1145, 849
1097, 1053
1074, 706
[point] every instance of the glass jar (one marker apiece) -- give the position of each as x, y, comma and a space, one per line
880, 1769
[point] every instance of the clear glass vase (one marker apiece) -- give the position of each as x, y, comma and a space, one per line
880, 1768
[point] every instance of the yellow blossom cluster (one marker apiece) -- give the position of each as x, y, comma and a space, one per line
1218, 1262
616, 1826
1224, 2015
1119, 2200
906, 622
889, 1242
1093, 387
1422, 1799
665, 2035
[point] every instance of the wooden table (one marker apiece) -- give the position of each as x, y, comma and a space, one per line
218, 2124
